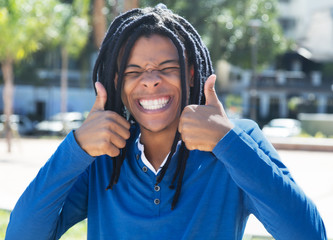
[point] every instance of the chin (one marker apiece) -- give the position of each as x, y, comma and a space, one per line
157, 121
154, 128
158, 127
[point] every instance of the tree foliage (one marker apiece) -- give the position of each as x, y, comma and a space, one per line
26, 25
70, 28
23, 24
71, 34
225, 26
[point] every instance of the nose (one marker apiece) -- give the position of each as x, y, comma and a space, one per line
151, 79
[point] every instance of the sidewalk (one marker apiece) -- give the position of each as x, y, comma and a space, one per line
311, 166
19, 168
304, 144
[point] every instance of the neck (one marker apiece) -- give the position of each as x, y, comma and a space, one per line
157, 145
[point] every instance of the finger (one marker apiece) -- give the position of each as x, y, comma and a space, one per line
100, 98
180, 124
110, 149
113, 116
209, 90
183, 118
115, 139
121, 130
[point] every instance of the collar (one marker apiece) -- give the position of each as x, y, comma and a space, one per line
146, 162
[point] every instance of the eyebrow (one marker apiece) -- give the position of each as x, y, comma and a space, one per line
162, 63
169, 61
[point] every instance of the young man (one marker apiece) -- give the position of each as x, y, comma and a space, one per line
179, 168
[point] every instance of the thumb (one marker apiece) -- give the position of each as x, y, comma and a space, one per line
209, 90
100, 98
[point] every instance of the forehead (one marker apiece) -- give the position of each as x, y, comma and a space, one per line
154, 49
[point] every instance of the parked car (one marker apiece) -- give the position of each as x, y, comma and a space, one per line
60, 124
20, 124
282, 127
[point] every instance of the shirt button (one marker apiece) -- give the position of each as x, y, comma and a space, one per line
157, 188
144, 168
137, 157
157, 201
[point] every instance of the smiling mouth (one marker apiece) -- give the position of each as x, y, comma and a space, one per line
154, 104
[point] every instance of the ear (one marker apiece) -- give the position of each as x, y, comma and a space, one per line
191, 82
116, 81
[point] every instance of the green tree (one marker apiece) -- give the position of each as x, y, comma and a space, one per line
24, 25
71, 31
225, 26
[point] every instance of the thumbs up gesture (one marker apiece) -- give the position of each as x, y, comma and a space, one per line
103, 132
203, 126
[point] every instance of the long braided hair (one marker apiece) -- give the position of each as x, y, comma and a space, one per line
122, 34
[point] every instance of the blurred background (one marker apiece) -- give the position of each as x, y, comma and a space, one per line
273, 59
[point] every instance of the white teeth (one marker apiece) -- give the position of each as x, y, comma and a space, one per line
154, 104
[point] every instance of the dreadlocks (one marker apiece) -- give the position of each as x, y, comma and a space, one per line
121, 36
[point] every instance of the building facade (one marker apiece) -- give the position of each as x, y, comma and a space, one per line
298, 84
279, 94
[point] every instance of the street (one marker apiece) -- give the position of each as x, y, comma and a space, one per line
312, 170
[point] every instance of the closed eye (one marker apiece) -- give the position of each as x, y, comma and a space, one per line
132, 73
170, 70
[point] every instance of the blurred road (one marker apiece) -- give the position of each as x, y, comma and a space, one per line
312, 170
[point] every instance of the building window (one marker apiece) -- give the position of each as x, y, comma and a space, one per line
287, 24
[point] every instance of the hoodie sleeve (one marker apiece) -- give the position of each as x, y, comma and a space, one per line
271, 193
54, 200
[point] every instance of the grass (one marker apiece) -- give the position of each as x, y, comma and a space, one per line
316, 135
77, 232
4, 218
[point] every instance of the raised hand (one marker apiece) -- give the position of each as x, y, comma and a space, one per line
103, 132
203, 126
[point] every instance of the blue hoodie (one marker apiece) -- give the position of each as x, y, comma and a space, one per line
243, 175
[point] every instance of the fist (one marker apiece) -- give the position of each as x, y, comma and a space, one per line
103, 132
203, 126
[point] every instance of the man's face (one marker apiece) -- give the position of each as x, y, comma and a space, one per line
152, 89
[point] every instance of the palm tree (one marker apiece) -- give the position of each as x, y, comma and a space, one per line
99, 22
130, 4
72, 28
24, 26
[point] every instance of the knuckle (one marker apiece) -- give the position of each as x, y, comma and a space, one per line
105, 133
104, 145
108, 116
111, 126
